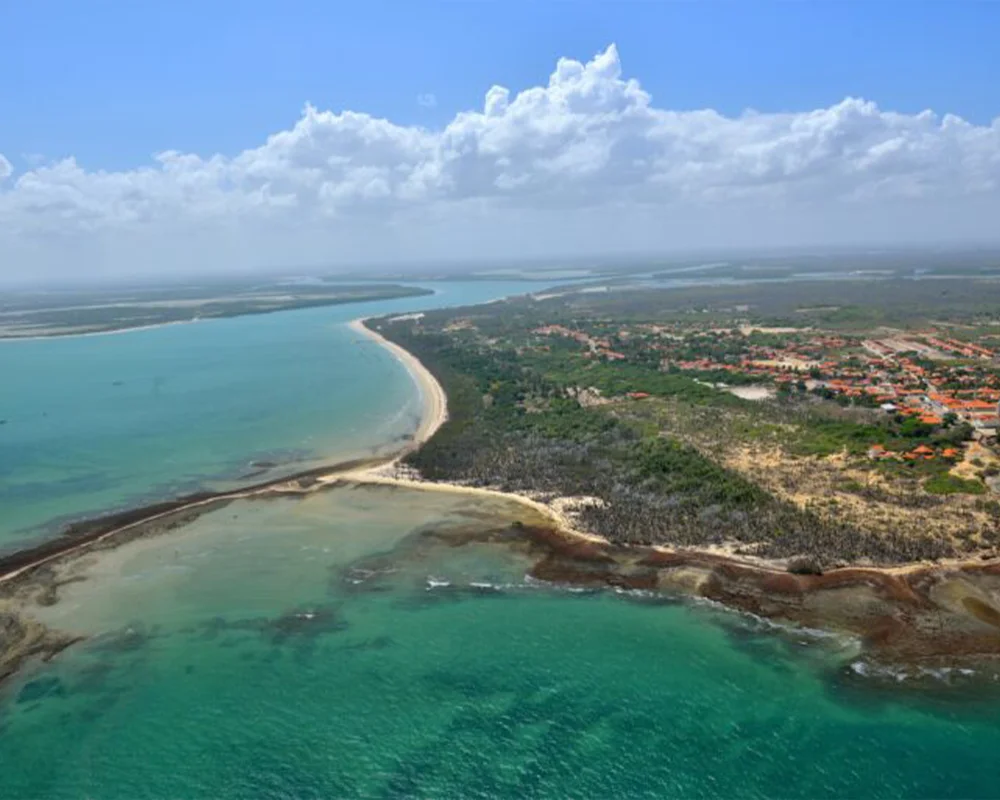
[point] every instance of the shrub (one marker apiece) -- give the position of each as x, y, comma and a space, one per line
805, 565
952, 484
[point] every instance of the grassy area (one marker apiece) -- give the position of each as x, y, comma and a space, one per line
617, 379
946, 483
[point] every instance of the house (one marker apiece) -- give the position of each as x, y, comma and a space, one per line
877, 451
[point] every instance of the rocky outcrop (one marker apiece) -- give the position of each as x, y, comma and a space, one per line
22, 638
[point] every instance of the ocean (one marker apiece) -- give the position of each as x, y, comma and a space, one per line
369, 641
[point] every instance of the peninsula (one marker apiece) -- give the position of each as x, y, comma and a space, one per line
856, 491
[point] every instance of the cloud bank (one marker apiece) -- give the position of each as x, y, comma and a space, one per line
585, 163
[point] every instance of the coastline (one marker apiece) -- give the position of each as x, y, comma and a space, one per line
73, 334
435, 400
80, 536
923, 613
81, 334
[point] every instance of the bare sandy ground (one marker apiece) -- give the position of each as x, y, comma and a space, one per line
752, 392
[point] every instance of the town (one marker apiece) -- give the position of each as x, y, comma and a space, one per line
927, 379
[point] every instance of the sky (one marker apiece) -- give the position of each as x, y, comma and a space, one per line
191, 137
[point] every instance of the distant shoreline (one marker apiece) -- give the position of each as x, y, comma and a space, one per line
81, 334
112, 328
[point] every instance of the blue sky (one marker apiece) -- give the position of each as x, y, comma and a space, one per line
226, 136
113, 82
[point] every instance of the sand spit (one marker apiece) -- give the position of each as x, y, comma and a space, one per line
112, 529
78, 333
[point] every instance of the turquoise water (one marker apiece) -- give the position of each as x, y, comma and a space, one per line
101, 422
341, 645
327, 648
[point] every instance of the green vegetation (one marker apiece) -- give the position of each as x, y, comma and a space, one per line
820, 435
860, 304
682, 471
612, 379
546, 411
617, 396
947, 483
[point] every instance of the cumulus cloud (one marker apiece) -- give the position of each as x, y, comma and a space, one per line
583, 152
427, 100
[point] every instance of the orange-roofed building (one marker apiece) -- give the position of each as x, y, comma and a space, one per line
878, 451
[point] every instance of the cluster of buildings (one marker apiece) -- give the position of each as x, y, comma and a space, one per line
879, 452
597, 347
936, 379
929, 376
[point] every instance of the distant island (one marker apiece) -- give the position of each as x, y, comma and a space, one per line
27, 315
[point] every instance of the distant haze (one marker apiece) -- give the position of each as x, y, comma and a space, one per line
586, 162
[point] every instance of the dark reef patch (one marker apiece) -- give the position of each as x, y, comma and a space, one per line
295, 626
41, 688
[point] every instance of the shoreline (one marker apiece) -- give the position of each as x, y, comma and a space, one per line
435, 400
80, 334
925, 612
86, 533
74, 334
918, 612
80, 535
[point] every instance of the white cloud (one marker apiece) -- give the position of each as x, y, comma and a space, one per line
589, 154
427, 100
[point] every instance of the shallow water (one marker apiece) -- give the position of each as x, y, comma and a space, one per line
95, 423
329, 647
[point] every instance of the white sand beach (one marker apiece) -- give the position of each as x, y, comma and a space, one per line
435, 401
